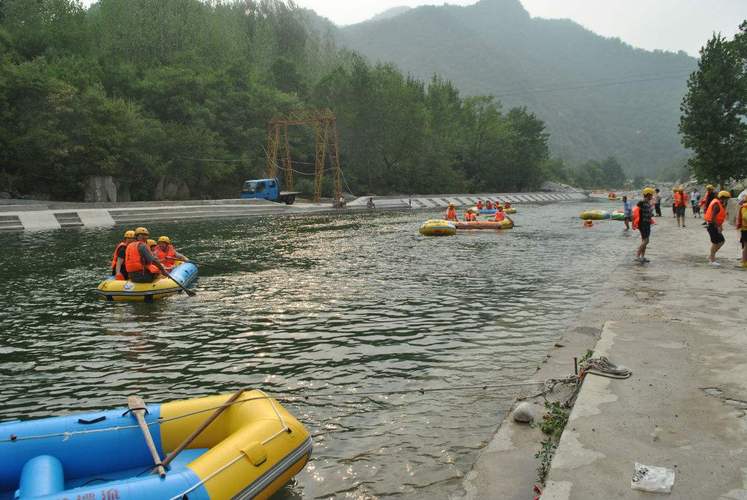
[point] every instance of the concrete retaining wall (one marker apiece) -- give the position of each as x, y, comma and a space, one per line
43, 216
462, 200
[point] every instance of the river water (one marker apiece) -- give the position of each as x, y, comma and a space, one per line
313, 306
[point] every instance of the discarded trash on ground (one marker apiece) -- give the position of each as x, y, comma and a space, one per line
652, 479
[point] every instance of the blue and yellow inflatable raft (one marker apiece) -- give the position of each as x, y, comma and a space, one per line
250, 451
128, 291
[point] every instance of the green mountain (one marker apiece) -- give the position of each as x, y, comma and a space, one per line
600, 97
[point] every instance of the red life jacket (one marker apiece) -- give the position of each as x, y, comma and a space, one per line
167, 257
134, 263
489, 205
451, 214
678, 201
479, 204
507, 204
720, 216
500, 216
116, 250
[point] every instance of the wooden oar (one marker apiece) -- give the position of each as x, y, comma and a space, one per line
189, 292
171, 456
137, 407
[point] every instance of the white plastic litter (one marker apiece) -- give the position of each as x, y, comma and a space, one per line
652, 479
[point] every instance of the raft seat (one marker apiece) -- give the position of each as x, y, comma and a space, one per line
41, 476
179, 464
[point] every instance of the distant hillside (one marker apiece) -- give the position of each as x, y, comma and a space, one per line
598, 96
390, 13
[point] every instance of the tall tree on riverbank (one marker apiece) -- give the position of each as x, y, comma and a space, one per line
714, 111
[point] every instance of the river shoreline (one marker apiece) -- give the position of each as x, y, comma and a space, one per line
46, 216
686, 398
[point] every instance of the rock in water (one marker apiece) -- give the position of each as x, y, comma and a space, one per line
524, 413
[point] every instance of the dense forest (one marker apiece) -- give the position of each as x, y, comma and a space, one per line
598, 96
158, 93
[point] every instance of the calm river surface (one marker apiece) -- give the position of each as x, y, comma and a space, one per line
306, 306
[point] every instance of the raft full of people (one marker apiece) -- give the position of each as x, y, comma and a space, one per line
497, 220
144, 270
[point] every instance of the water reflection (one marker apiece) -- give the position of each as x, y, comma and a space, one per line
305, 306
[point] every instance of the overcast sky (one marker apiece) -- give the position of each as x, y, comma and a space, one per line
651, 24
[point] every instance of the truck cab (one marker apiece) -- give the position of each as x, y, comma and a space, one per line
267, 189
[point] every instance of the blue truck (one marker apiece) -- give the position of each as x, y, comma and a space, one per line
267, 189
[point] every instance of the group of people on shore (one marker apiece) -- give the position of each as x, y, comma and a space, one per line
470, 215
139, 259
714, 203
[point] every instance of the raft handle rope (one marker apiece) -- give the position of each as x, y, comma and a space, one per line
282, 397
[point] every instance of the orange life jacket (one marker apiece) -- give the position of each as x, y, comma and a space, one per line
720, 216
451, 214
167, 257
678, 201
133, 262
500, 216
116, 250
469, 216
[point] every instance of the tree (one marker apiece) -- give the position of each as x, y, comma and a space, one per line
714, 111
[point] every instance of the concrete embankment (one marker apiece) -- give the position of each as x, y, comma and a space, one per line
680, 325
41, 216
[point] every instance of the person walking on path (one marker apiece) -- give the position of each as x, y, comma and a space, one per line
695, 202
642, 221
680, 203
657, 202
714, 218
742, 228
627, 212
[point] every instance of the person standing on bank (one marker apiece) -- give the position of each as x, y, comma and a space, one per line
714, 218
695, 202
708, 197
742, 228
680, 204
657, 202
142, 266
627, 212
642, 221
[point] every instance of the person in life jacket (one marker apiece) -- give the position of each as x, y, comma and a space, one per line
479, 204
715, 216
489, 205
500, 215
642, 221
141, 264
742, 228
167, 254
451, 213
118, 259
680, 204
707, 198
470, 216
152, 245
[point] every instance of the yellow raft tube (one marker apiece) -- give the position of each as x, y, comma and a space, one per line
255, 447
438, 227
128, 291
